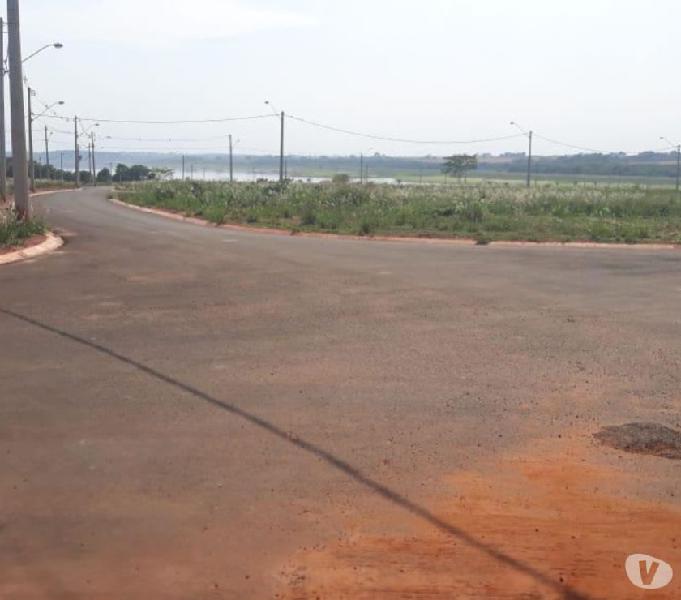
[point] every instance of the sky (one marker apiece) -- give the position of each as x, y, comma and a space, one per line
597, 74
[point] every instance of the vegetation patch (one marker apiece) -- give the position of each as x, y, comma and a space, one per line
485, 212
14, 232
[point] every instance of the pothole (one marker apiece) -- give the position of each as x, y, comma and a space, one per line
643, 438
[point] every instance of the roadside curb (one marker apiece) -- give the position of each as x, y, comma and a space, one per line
52, 242
382, 238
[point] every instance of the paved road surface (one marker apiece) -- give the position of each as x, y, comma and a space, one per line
189, 412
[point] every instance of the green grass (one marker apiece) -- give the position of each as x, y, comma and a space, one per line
13, 232
483, 211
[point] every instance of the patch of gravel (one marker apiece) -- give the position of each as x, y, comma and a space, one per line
643, 438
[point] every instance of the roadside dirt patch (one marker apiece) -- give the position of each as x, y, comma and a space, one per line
567, 538
34, 240
643, 438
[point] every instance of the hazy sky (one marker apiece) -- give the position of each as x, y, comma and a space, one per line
601, 74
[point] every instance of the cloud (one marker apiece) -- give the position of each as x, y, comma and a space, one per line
156, 22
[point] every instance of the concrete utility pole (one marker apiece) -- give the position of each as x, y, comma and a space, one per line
3, 123
47, 152
530, 135
183, 167
231, 160
89, 160
94, 161
361, 168
76, 157
16, 78
281, 153
31, 162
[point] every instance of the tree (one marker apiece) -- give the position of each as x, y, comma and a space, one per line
341, 179
140, 173
122, 173
459, 164
161, 173
104, 176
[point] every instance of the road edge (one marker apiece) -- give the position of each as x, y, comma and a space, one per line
384, 238
51, 243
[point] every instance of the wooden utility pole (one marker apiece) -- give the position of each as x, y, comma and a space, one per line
3, 123
16, 80
231, 160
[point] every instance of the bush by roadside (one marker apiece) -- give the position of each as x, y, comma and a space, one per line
14, 232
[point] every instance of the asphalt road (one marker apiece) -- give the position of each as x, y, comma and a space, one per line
190, 412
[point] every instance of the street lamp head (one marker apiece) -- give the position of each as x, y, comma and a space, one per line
61, 103
58, 45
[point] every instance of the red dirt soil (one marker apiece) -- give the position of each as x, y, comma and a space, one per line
34, 240
545, 511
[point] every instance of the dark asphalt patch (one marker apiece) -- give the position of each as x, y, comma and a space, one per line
643, 438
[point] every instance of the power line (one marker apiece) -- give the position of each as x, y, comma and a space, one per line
402, 140
566, 145
178, 122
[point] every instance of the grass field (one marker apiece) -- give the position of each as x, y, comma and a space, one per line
482, 211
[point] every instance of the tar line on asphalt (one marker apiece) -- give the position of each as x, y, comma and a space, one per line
388, 494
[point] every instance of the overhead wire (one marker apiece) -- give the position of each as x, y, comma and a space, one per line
401, 140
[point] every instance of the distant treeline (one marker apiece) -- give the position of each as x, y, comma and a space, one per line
122, 174
646, 164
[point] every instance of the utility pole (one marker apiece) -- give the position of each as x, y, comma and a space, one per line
89, 160
183, 167
231, 160
3, 123
61, 166
19, 164
281, 154
76, 158
31, 163
94, 161
530, 135
678, 167
47, 153
361, 168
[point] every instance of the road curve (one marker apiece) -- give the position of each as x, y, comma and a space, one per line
192, 412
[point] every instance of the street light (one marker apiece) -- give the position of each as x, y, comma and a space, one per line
281, 152
530, 135
5, 71
31, 119
56, 45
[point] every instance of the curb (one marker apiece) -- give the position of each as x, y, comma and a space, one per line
52, 242
408, 240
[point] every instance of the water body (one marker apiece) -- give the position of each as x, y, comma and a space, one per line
200, 174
